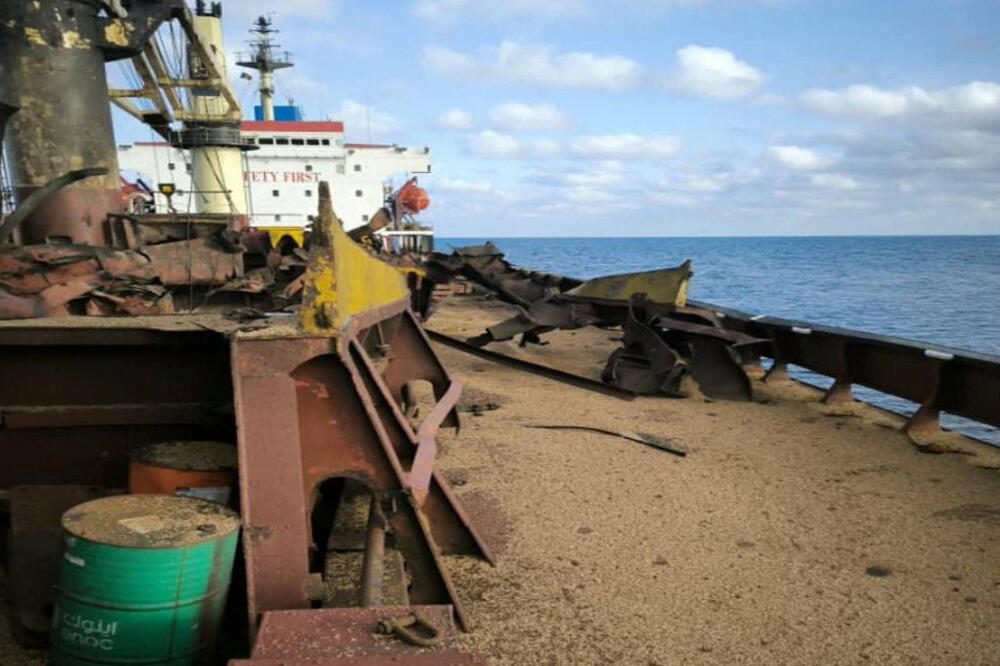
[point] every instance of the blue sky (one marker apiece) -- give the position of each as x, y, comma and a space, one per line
665, 117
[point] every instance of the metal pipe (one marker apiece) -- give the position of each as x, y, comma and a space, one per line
373, 563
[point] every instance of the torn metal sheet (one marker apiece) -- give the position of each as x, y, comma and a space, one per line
664, 339
666, 285
196, 262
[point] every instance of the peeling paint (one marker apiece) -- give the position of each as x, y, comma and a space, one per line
115, 33
73, 40
34, 36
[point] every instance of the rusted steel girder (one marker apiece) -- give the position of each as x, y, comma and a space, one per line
309, 409
337, 391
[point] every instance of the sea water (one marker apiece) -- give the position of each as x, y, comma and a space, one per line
942, 290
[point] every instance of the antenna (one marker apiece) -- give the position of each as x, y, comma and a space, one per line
265, 58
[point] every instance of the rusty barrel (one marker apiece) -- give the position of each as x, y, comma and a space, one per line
206, 470
143, 580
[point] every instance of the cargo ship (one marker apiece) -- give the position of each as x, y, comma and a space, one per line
223, 448
283, 159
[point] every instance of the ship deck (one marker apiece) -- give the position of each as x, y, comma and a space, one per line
792, 533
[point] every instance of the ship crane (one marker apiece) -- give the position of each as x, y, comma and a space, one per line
192, 88
160, 99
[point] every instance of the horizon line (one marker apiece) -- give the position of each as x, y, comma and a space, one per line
970, 235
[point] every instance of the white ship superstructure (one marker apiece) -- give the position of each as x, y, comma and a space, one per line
283, 172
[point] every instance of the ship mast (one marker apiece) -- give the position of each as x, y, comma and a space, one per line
265, 59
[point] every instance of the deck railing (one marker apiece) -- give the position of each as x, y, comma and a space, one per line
936, 377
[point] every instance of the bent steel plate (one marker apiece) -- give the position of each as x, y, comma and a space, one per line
449, 658
344, 632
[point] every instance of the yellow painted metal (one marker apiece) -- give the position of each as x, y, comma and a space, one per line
342, 279
665, 285
216, 171
297, 234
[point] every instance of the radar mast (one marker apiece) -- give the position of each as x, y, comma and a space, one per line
266, 59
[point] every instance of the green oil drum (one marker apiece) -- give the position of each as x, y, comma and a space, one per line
142, 580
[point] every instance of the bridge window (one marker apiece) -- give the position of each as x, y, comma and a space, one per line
281, 142
298, 142
266, 141
326, 142
312, 142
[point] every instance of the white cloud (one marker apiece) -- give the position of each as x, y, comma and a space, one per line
438, 11
492, 144
289, 8
446, 12
539, 65
625, 146
674, 199
835, 181
455, 118
590, 196
976, 100
696, 3
797, 158
452, 63
461, 186
300, 85
604, 174
518, 116
361, 120
489, 143
714, 72
705, 181
541, 148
